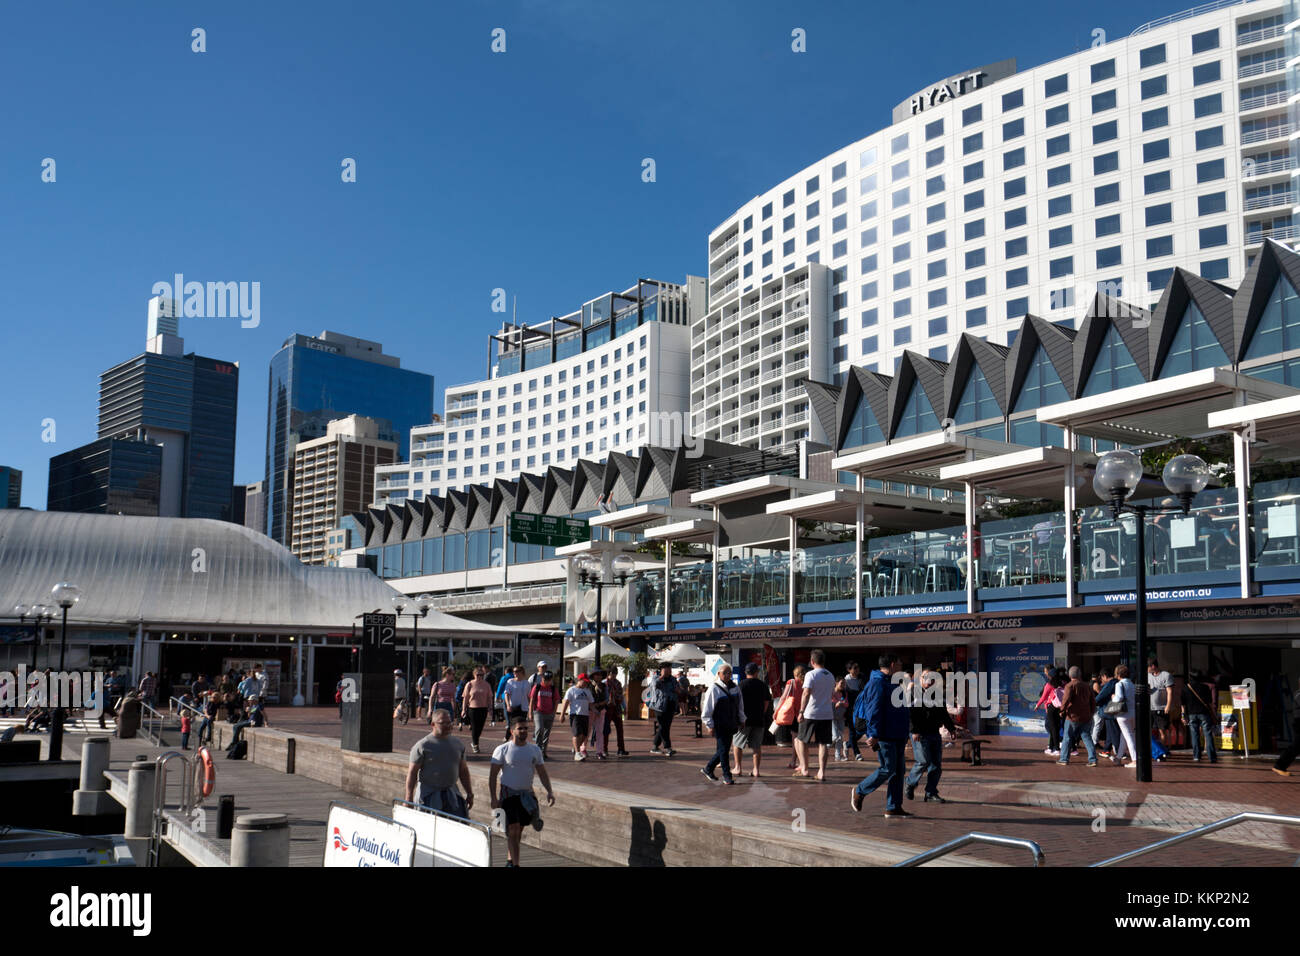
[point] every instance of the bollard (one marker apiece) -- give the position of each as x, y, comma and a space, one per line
225, 816
92, 798
260, 839
139, 799
291, 757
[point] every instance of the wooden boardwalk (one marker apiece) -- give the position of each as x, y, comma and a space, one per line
258, 789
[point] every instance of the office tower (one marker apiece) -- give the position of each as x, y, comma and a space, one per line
11, 487
116, 476
255, 507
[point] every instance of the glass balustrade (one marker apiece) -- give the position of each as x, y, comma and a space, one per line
1205, 541
824, 573
1276, 507
915, 563
1023, 551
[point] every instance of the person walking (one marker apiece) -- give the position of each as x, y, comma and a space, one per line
785, 713
500, 698
1200, 716
1050, 701
477, 701
1121, 707
723, 712
614, 692
853, 684
839, 709
1105, 729
577, 701
1161, 684
148, 687
424, 686
437, 761
458, 701
1285, 758
541, 708
660, 696
599, 712
756, 699
210, 704
399, 691
515, 696
886, 724
683, 694
927, 715
816, 715
1077, 709
515, 763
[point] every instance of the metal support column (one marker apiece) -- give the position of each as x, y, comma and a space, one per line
1069, 501
668, 585
972, 555
717, 539
1245, 540
790, 567
857, 553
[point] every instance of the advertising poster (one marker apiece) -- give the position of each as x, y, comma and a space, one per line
1019, 668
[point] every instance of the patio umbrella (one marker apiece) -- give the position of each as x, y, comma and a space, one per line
681, 653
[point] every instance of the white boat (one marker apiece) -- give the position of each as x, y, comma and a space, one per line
19, 847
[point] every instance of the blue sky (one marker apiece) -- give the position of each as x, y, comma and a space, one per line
475, 170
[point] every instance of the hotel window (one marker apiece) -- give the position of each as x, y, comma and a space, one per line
1058, 145
1209, 171
977, 317
1159, 215
1160, 246
1013, 129
840, 248
1151, 56
867, 158
1105, 132
813, 235
838, 172
868, 265
1111, 256
902, 336
933, 157
1156, 281
975, 258
902, 225
1209, 204
787, 200
787, 223
934, 185
971, 143
1014, 218
1058, 175
899, 171
1214, 269
1013, 158
898, 144
936, 298
1017, 247
1155, 119
1059, 206
767, 234
1108, 225
839, 197
972, 114
1105, 163
973, 172
869, 291
870, 317
1213, 236
937, 269
1056, 85
1156, 182
1014, 100
973, 200
1015, 309
1058, 268
935, 213
1209, 138
870, 344
1104, 70
976, 287
767, 212
868, 237
749, 223
1154, 86
1060, 236
812, 185
1103, 101
1057, 115
1207, 73
1209, 40
1017, 277
974, 229
936, 241
767, 259
868, 210
902, 308
938, 326
840, 223
867, 184
787, 247
934, 129
1155, 151
812, 211
1207, 105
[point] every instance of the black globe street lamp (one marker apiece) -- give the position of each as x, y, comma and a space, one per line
65, 596
422, 604
1117, 477
40, 614
591, 572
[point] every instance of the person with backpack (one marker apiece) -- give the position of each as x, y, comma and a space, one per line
1198, 700
660, 696
1050, 701
723, 713
883, 717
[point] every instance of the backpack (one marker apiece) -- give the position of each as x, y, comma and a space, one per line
238, 750
860, 712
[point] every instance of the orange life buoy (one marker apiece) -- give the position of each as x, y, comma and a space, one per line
209, 777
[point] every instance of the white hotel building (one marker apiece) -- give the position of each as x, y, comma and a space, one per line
997, 193
611, 376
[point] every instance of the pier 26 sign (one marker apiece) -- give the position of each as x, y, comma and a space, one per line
954, 87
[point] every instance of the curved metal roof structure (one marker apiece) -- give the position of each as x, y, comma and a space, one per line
136, 569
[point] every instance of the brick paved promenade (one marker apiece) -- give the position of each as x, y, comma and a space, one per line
1018, 791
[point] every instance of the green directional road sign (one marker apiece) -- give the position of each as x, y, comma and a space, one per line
550, 531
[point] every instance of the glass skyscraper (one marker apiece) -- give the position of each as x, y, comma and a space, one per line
315, 380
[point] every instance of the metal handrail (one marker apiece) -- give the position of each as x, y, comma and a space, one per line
969, 838
1202, 831
187, 803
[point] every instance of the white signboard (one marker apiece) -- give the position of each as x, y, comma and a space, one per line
442, 840
1182, 533
1281, 521
357, 838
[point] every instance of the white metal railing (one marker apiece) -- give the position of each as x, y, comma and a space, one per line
773, 322
1264, 99
798, 313
749, 357
729, 320
726, 289
751, 308
774, 297
771, 349
747, 433
1263, 33
1259, 69
529, 595
729, 391
730, 367
747, 408
712, 353
799, 339
729, 244
1282, 232
796, 418
798, 366
466, 402
1269, 201
1250, 168
772, 373
774, 399
797, 287
1276, 131
1187, 14
726, 266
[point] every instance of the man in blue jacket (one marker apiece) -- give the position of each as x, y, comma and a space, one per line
886, 718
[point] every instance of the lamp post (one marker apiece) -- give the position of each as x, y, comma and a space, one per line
65, 596
591, 571
1117, 477
40, 614
422, 604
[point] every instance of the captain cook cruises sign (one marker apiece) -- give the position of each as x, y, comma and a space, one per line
954, 87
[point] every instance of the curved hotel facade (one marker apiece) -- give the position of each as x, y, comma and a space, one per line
996, 194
